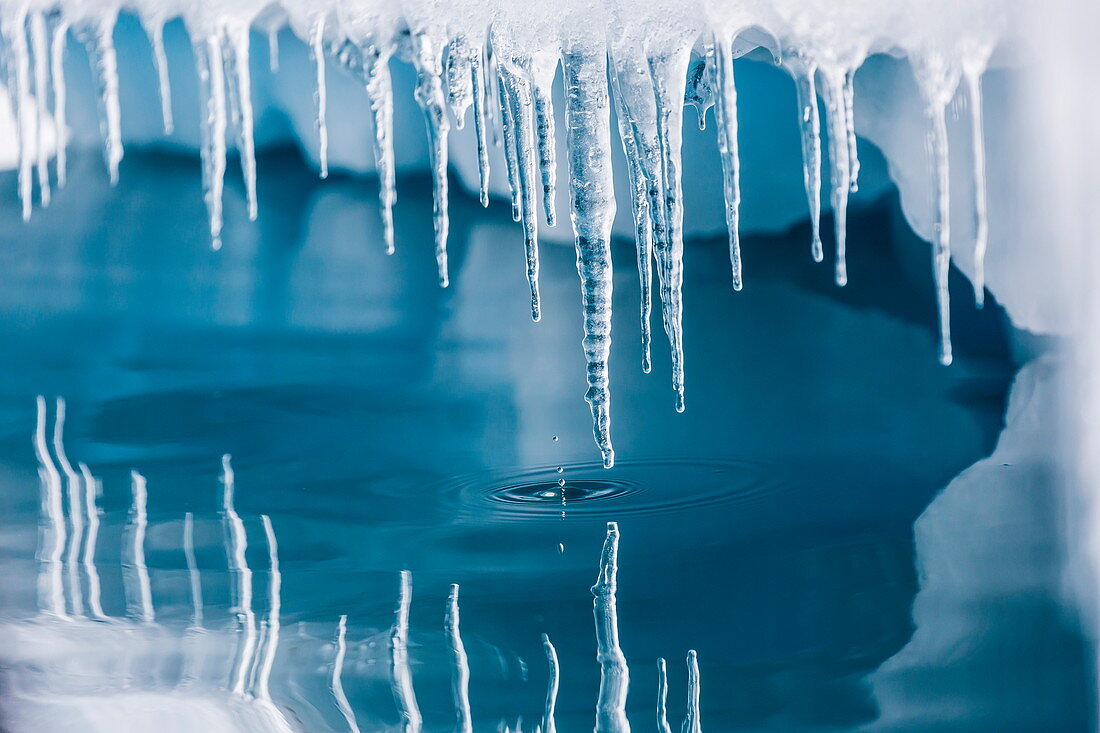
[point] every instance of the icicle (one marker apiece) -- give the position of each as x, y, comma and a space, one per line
700, 89
460, 674
273, 49
101, 51
52, 538
662, 697
320, 94
17, 61
57, 73
692, 723
938, 79
376, 67
429, 95
541, 87
403, 693
614, 673
492, 81
160, 61
544, 130
587, 121
192, 570
74, 494
459, 74
208, 59
549, 725
973, 76
725, 115
516, 90
140, 601
850, 128
640, 207
667, 73
482, 118
237, 546
839, 164
941, 225
809, 123
40, 44
87, 560
274, 599
508, 131
336, 683
237, 41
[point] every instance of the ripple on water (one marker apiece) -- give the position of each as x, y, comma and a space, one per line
640, 487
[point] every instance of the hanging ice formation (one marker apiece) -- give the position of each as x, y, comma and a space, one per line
497, 65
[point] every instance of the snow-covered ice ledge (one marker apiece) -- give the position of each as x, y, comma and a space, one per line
544, 84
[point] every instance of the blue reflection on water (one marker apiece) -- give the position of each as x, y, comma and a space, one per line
384, 425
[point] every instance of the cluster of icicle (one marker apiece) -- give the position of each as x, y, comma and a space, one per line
644, 59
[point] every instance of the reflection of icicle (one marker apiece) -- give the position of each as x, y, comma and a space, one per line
192, 570
662, 697
57, 76
335, 682
548, 723
614, 673
320, 91
427, 58
403, 693
839, 164
51, 590
692, 723
91, 489
238, 566
101, 51
160, 61
140, 596
725, 115
74, 492
973, 76
274, 600
587, 120
40, 44
460, 675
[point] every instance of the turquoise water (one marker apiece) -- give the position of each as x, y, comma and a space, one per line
385, 425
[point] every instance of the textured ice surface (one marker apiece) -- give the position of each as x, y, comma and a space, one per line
541, 138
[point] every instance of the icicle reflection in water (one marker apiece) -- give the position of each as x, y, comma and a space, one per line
823, 45
239, 663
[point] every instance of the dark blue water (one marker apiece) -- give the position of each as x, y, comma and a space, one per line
384, 424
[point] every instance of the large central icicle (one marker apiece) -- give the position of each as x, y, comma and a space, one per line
471, 54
